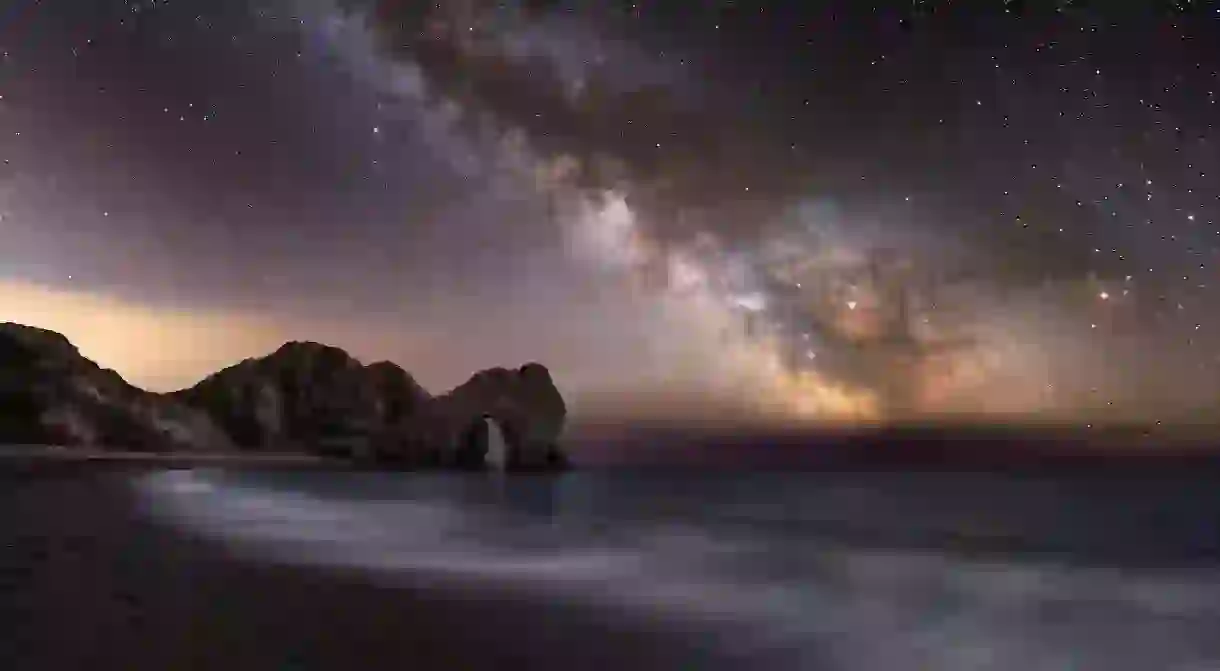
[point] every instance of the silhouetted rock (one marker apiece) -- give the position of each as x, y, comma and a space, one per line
304, 397
52, 395
449, 429
309, 397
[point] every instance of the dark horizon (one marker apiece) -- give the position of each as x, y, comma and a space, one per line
671, 424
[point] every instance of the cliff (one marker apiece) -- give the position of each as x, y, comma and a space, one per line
52, 395
304, 397
524, 402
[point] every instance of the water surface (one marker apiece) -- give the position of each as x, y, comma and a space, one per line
822, 570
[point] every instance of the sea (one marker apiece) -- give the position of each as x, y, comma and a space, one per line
781, 569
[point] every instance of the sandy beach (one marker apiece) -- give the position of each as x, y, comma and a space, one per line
87, 582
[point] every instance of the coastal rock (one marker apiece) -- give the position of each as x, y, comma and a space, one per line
52, 395
450, 429
307, 397
304, 397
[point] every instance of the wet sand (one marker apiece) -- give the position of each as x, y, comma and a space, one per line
87, 583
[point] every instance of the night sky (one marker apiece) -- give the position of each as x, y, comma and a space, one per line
828, 211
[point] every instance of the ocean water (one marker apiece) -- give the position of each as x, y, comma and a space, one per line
820, 570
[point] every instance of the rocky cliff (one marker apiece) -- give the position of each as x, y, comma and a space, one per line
52, 395
307, 396
304, 397
446, 429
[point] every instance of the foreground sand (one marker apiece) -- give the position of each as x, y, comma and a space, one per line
87, 583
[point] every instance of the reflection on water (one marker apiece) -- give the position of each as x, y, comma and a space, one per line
878, 571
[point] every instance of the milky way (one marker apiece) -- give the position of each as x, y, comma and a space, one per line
764, 291
827, 210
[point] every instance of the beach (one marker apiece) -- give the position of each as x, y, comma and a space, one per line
86, 582
132, 564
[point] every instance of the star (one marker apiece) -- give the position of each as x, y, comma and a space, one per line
737, 155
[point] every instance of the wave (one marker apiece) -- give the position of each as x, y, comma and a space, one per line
822, 604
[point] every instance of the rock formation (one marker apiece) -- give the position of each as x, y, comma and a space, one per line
304, 397
52, 395
483, 444
307, 397
448, 429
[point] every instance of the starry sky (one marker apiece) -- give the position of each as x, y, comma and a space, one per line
823, 211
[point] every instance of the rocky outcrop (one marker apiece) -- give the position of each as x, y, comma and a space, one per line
52, 395
449, 429
315, 398
304, 397
307, 397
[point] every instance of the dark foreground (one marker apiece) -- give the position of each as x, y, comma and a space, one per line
86, 583
882, 557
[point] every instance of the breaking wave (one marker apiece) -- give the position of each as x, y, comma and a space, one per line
757, 567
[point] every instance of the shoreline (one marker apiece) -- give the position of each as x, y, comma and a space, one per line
88, 581
648, 447
1047, 449
69, 453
